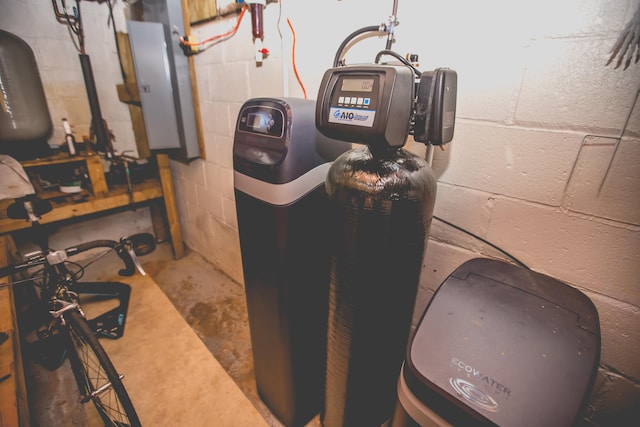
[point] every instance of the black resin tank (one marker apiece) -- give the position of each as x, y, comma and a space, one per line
382, 206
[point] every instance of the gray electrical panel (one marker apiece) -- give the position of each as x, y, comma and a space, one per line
164, 80
154, 84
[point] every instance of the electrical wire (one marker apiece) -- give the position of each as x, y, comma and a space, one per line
60, 17
115, 37
398, 57
283, 59
622, 132
279, 17
475, 236
293, 59
616, 145
74, 24
80, 31
219, 36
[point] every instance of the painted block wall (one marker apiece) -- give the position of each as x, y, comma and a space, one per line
57, 58
538, 114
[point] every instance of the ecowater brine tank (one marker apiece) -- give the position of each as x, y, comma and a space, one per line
500, 345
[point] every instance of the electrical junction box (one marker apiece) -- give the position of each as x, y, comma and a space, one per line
164, 81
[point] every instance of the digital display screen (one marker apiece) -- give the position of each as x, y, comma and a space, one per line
357, 85
262, 120
254, 120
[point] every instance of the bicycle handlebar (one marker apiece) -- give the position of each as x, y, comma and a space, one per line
11, 269
129, 266
91, 245
40, 259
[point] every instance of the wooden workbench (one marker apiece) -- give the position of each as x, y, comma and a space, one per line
157, 193
14, 406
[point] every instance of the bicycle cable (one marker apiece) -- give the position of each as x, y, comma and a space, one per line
81, 269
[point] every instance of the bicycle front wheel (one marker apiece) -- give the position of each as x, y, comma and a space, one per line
96, 377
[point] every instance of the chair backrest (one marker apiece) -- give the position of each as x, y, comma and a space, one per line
29, 208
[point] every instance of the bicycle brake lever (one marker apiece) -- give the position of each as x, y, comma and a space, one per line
129, 248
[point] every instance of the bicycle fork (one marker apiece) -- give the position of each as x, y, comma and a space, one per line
66, 306
98, 392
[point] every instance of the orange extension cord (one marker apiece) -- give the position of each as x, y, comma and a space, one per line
219, 36
293, 59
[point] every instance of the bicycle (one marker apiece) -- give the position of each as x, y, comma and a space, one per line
58, 322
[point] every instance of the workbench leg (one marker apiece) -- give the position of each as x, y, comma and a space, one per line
158, 220
96, 176
170, 205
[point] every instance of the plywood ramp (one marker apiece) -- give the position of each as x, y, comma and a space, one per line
171, 377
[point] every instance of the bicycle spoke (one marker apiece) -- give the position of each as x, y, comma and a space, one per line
55, 280
100, 388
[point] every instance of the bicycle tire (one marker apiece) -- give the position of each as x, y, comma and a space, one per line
97, 379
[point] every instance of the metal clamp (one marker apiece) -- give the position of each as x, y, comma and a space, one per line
56, 257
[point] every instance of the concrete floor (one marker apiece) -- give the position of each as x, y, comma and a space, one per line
212, 304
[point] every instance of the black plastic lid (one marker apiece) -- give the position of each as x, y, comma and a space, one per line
502, 345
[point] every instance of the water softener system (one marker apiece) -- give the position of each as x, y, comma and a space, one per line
382, 199
280, 163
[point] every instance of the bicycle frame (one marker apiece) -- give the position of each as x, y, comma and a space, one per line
60, 325
60, 292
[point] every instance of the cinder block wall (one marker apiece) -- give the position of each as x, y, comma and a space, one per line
59, 66
538, 112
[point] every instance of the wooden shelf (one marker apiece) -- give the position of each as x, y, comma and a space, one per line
117, 197
157, 192
92, 162
57, 159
